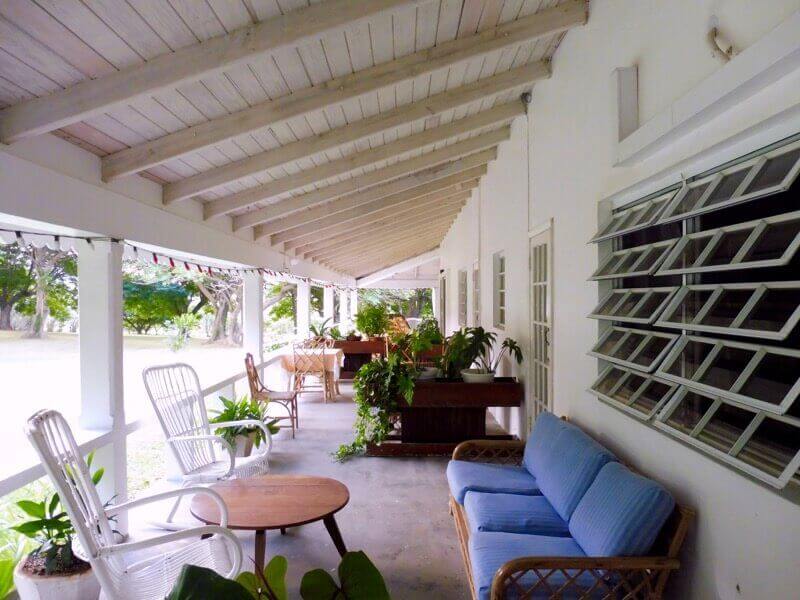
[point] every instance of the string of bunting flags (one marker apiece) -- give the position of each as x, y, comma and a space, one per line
69, 243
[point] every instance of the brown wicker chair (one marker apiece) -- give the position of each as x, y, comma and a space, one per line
260, 392
617, 578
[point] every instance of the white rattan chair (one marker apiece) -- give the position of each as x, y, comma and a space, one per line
175, 393
123, 570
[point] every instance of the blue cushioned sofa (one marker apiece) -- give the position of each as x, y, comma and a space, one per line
561, 517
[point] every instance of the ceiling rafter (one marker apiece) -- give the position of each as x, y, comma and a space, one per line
518, 78
335, 91
93, 97
427, 167
386, 257
327, 216
357, 160
370, 222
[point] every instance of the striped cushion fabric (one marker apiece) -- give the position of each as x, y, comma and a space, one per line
620, 514
463, 476
577, 459
514, 514
538, 449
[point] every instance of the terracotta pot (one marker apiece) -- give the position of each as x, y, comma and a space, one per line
80, 586
476, 376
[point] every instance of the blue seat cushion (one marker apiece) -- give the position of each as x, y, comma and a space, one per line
538, 448
576, 460
513, 513
620, 514
489, 550
464, 476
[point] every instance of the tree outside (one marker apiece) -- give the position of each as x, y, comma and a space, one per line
411, 303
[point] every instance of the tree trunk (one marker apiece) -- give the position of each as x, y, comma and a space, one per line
42, 311
218, 327
235, 332
5, 317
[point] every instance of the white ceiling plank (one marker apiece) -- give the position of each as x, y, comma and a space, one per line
417, 111
189, 63
335, 91
406, 265
355, 161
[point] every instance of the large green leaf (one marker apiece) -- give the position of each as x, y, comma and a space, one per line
30, 528
6, 577
250, 582
360, 579
199, 583
275, 574
33, 509
319, 585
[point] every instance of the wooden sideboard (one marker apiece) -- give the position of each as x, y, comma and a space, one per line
358, 353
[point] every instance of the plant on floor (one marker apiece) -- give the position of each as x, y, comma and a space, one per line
378, 386
243, 409
52, 530
359, 579
372, 320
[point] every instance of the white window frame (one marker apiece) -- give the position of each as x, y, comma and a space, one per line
623, 294
500, 281
638, 216
476, 294
759, 353
730, 457
754, 167
462, 298
629, 406
759, 291
714, 237
633, 269
629, 361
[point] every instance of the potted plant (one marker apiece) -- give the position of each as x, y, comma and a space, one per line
352, 336
321, 331
412, 346
52, 571
482, 342
372, 320
243, 439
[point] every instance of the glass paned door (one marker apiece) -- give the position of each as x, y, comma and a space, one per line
540, 392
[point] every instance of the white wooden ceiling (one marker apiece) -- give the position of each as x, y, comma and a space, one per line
51, 45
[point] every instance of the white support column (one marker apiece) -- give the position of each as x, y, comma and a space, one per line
343, 314
327, 303
435, 301
253, 316
102, 396
353, 304
303, 309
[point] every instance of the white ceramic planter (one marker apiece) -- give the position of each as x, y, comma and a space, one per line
81, 586
428, 373
476, 376
244, 445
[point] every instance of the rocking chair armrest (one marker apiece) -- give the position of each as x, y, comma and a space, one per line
495, 451
126, 506
543, 567
210, 438
172, 537
248, 423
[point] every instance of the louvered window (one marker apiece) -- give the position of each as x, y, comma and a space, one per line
699, 312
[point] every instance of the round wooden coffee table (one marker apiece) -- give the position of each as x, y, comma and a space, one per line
276, 502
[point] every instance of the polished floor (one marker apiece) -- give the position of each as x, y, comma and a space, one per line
397, 512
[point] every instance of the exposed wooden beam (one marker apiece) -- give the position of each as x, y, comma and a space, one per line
357, 160
384, 236
520, 77
325, 218
544, 23
369, 223
357, 183
381, 257
191, 63
434, 178
379, 228
412, 263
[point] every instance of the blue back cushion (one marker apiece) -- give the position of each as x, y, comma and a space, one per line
576, 460
621, 513
540, 441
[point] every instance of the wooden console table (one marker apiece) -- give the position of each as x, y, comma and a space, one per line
445, 413
357, 354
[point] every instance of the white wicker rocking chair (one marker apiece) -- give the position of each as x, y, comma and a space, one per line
175, 393
122, 571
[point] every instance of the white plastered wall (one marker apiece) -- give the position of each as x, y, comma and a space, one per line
746, 539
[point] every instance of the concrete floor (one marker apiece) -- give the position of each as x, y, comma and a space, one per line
397, 513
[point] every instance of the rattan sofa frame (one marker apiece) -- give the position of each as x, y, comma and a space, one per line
617, 578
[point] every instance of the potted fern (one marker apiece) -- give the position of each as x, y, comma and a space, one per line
242, 439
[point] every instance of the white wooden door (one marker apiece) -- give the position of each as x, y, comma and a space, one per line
540, 376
